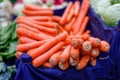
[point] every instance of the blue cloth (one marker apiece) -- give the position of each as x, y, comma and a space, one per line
115, 51
104, 69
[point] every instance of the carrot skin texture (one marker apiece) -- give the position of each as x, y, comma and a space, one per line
43, 48
83, 62
44, 57
64, 16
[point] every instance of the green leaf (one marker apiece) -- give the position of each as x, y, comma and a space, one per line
14, 34
1, 59
1, 1
12, 46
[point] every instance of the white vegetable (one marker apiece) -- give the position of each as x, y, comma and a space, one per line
112, 15
101, 6
17, 9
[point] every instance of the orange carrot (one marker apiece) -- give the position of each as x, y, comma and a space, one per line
94, 52
86, 46
61, 28
48, 65
83, 62
74, 53
80, 43
82, 13
73, 62
66, 12
67, 41
27, 33
95, 42
45, 24
84, 25
84, 52
18, 54
75, 43
64, 57
43, 48
63, 66
68, 26
104, 46
56, 18
28, 28
41, 18
93, 61
44, 57
77, 8
23, 40
28, 46
71, 14
33, 30
87, 32
35, 7
38, 13
83, 36
41, 28
54, 59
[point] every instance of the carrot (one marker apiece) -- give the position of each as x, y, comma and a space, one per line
28, 28
43, 48
61, 28
18, 54
75, 43
77, 8
57, 18
95, 42
41, 18
84, 52
64, 57
44, 57
71, 14
82, 13
83, 36
63, 66
35, 7
86, 46
28, 46
73, 62
41, 28
80, 43
27, 33
46, 24
54, 59
93, 61
23, 40
74, 53
94, 52
48, 65
87, 32
104, 46
68, 26
66, 12
67, 41
84, 25
83, 62
37, 13
33, 30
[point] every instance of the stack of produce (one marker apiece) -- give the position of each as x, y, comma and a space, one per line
58, 41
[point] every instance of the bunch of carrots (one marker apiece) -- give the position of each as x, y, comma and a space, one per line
63, 41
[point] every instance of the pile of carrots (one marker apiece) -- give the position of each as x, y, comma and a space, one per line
61, 41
